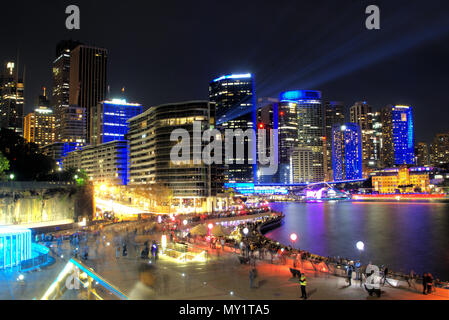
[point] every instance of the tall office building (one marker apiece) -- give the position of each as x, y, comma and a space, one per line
302, 165
109, 120
288, 139
377, 141
422, 154
150, 146
267, 120
347, 152
310, 122
362, 114
11, 98
70, 118
439, 150
39, 126
87, 85
334, 114
398, 136
105, 163
236, 109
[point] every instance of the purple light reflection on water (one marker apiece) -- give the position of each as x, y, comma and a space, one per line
401, 235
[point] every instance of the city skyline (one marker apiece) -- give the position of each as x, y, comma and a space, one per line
380, 82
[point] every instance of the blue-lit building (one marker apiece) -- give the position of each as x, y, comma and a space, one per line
234, 96
59, 150
398, 147
109, 120
347, 152
301, 124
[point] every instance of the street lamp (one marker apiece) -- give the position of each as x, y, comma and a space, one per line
360, 246
293, 238
245, 231
12, 176
184, 222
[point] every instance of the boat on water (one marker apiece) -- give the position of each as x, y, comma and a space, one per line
326, 194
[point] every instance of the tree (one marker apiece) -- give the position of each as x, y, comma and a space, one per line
25, 159
4, 166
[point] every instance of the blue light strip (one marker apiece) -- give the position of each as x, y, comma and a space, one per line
98, 279
234, 76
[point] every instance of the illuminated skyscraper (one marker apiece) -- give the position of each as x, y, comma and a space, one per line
422, 154
87, 87
439, 150
347, 152
267, 119
288, 139
39, 126
236, 109
11, 98
334, 112
109, 120
310, 124
398, 136
362, 114
150, 145
70, 118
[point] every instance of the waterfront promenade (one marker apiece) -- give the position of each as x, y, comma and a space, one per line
222, 277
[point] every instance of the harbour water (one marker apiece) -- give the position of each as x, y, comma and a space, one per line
401, 235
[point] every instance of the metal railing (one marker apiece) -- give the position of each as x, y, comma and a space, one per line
95, 286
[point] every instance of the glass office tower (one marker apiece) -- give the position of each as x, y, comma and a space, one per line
310, 124
398, 136
347, 152
109, 120
236, 109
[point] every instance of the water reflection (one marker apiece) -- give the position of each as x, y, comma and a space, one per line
403, 236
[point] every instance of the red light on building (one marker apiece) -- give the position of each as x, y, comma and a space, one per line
261, 126
282, 113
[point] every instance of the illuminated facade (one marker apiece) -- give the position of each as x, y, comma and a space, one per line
288, 139
439, 150
234, 97
11, 98
422, 154
334, 114
39, 126
15, 246
302, 164
398, 136
59, 150
347, 152
310, 122
103, 163
150, 147
402, 180
370, 126
70, 122
109, 120
267, 119
87, 86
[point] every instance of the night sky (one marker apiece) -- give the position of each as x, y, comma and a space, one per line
166, 51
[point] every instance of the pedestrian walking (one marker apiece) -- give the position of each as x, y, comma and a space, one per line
349, 276
303, 284
385, 276
125, 250
429, 283
117, 252
424, 283
251, 278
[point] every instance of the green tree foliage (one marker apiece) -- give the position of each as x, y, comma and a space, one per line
4, 166
25, 159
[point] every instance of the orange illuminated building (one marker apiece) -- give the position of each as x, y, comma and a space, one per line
401, 180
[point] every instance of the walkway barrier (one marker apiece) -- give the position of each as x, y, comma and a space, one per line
40, 255
77, 276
